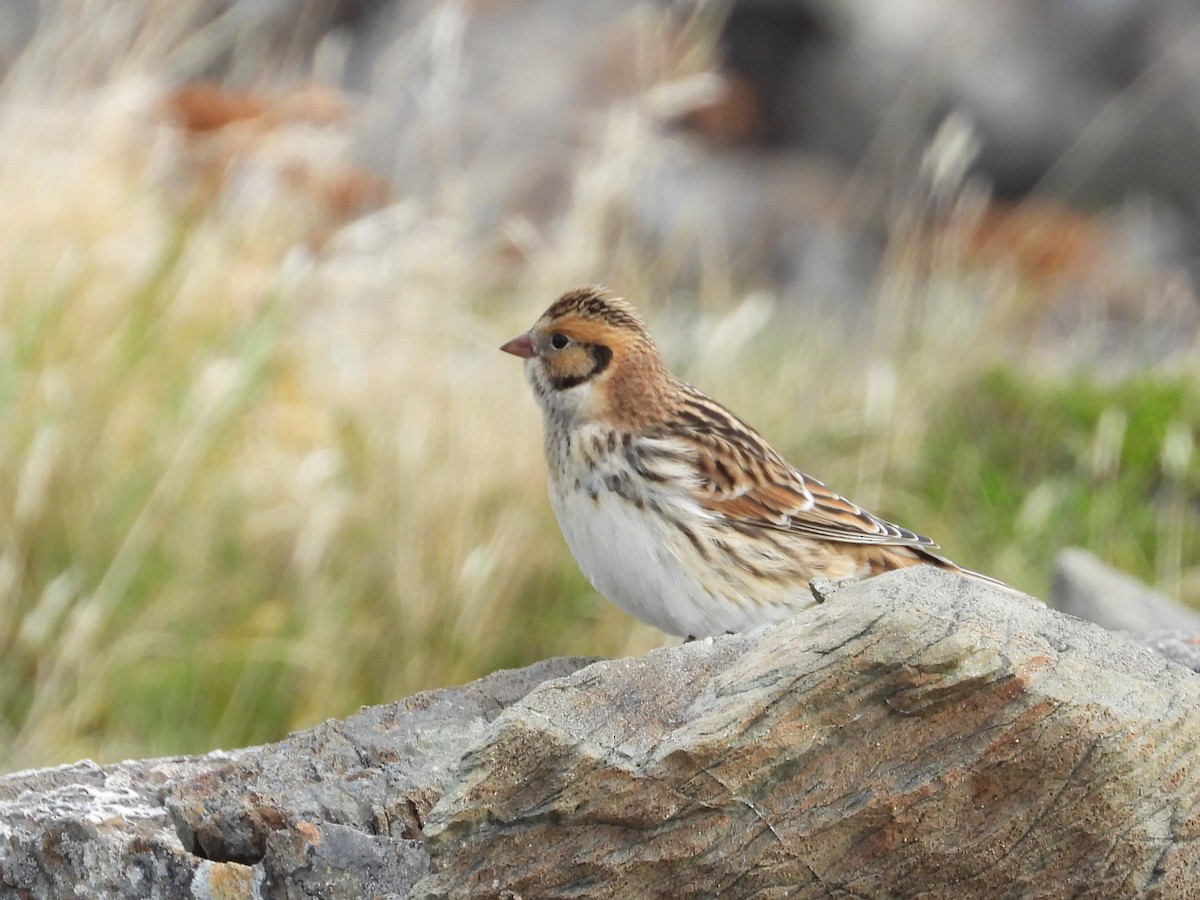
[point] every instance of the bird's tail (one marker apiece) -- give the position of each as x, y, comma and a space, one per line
926, 556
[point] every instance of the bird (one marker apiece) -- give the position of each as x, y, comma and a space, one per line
675, 508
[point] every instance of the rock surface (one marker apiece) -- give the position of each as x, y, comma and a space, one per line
334, 811
918, 734
1086, 587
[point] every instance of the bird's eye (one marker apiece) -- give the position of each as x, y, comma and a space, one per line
558, 340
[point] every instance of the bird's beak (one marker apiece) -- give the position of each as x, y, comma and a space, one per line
521, 345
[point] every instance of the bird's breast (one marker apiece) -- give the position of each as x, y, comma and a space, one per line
647, 545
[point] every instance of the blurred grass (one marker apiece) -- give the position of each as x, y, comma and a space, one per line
1032, 465
245, 486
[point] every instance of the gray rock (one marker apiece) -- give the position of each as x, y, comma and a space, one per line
85, 830
1182, 647
335, 811
1087, 588
917, 734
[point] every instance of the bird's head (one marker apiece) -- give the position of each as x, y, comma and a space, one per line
589, 356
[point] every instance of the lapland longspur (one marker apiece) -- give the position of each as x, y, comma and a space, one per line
676, 509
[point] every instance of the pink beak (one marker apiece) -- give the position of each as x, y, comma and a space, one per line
521, 346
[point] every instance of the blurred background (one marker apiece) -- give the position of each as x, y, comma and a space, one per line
261, 461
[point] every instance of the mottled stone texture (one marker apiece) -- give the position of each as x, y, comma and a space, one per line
917, 735
1086, 587
334, 811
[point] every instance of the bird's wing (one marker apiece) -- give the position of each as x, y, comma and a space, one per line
741, 478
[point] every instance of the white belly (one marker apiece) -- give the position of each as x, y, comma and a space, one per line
647, 567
